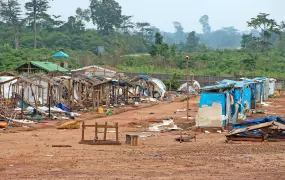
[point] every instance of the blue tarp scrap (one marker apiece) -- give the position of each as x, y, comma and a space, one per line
122, 84
144, 77
63, 107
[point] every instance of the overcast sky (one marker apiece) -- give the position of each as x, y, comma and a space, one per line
161, 13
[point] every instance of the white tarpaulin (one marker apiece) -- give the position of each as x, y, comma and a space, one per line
7, 86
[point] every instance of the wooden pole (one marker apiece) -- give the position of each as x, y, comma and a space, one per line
34, 95
117, 132
3, 91
98, 99
69, 94
72, 96
96, 131
9, 91
105, 131
187, 72
42, 96
49, 100
22, 108
93, 98
83, 126
127, 95
79, 85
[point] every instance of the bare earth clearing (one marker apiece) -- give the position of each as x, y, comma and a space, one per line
29, 155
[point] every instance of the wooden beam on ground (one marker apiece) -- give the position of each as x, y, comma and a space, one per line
250, 128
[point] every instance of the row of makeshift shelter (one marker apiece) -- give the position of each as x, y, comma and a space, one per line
228, 101
45, 92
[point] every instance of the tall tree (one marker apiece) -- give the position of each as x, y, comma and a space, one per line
204, 20
180, 36
144, 29
160, 48
10, 12
83, 15
192, 42
36, 10
127, 24
106, 15
267, 27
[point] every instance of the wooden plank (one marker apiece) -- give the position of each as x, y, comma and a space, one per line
260, 139
1, 83
83, 127
61, 146
100, 142
105, 131
101, 126
278, 125
250, 128
96, 131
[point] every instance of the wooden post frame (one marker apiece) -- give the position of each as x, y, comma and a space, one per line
96, 140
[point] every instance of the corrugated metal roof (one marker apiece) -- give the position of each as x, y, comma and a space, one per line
215, 87
49, 66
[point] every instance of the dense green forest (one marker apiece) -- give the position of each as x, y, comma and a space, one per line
30, 33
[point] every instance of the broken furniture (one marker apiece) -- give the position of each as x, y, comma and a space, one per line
96, 140
260, 129
186, 137
132, 139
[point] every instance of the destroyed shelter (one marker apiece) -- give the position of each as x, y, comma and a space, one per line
229, 101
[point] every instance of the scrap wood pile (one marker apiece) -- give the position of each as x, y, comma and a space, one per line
6, 113
268, 128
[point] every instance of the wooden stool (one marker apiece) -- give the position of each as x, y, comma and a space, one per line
132, 139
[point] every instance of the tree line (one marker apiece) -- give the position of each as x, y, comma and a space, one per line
32, 27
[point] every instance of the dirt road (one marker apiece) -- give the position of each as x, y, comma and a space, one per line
30, 155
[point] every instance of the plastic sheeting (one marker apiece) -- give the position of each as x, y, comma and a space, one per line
272, 86
7, 86
159, 86
208, 98
63, 107
192, 88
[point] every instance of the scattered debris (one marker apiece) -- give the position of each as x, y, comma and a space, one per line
155, 155
258, 112
183, 139
70, 125
167, 125
258, 130
3, 125
109, 112
132, 139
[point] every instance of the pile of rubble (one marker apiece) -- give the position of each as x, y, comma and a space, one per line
6, 112
268, 128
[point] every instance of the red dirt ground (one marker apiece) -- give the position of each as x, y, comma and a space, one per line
30, 155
